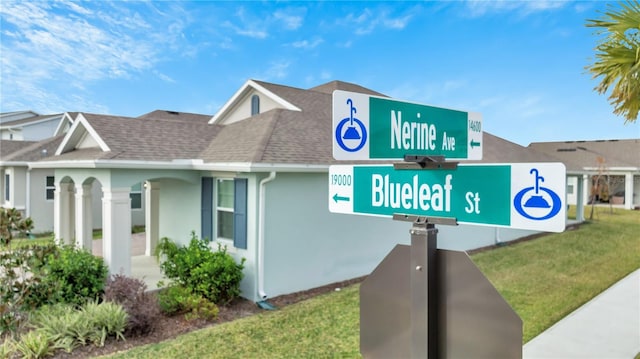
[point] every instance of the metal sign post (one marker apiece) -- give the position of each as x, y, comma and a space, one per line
424, 285
438, 306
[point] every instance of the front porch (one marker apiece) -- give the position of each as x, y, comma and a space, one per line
143, 267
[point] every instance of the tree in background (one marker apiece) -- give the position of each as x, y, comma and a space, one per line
618, 57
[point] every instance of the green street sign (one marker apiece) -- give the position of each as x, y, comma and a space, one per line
368, 127
520, 195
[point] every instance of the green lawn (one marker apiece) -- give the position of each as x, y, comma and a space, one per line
24, 242
544, 280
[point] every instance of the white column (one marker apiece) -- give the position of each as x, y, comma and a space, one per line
62, 213
628, 191
580, 189
152, 216
84, 216
116, 230
586, 185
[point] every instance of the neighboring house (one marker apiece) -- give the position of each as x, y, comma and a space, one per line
31, 191
608, 170
252, 178
31, 126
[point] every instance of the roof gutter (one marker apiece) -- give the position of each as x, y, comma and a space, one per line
261, 214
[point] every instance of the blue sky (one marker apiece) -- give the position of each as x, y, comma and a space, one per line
520, 64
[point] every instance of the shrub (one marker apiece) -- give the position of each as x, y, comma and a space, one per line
22, 284
34, 344
67, 328
107, 319
177, 299
142, 307
172, 299
6, 348
11, 221
80, 275
212, 274
61, 324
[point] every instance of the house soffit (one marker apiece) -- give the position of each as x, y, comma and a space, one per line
78, 134
242, 94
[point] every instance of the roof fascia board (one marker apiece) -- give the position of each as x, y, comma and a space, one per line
607, 169
241, 92
14, 164
71, 139
66, 117
261, 167
196, 165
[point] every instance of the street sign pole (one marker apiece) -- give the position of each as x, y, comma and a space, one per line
424, 278
424, 321
433, 328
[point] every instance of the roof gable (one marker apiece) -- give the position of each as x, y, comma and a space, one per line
81, 135
65, 123
239, 106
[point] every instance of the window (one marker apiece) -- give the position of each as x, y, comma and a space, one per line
255, 105
136, 196
570, 189
224, 209
7, 187
50, 187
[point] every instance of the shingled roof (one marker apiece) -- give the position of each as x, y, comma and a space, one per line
144, 139
28, 151
300, 134
578, 155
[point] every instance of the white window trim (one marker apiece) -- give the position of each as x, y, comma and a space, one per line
225, 241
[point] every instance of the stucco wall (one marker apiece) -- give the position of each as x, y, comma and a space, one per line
307, 246
179, 209
41, 209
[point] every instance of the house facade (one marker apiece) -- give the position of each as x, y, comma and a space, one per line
29, 125
608, 170
32, 190
252, 177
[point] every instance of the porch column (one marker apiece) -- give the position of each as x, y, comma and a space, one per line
152, 216
84, 216
116, 230
628, 191
62, 213
580, 198
586, 184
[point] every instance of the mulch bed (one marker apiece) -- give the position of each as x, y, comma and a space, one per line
171, 327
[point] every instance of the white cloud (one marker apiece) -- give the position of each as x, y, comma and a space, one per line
164, 77
72, 43
290, 21
306, 44
478, 8
370, 20
277, 70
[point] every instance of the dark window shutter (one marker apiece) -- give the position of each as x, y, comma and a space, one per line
240, 213
207, 208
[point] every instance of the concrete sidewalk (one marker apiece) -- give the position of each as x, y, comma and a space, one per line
607, 327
